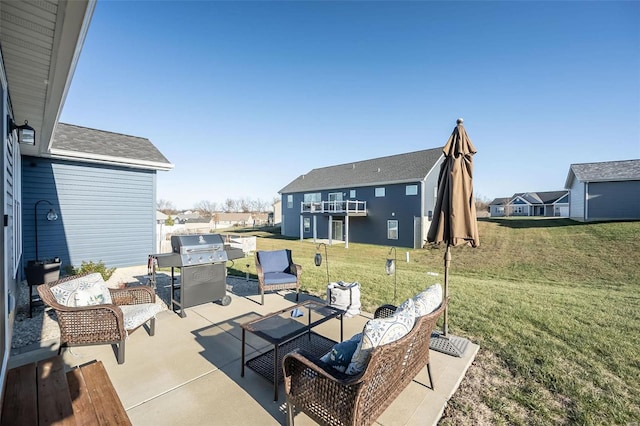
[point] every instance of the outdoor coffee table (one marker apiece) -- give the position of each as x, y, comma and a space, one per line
287, 333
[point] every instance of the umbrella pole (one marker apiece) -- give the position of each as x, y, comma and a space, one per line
447, 263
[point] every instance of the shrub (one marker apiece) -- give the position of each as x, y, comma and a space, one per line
90, 267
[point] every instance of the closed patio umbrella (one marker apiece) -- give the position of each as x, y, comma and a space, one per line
454, 218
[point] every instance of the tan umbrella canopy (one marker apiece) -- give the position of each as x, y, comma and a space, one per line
454, 219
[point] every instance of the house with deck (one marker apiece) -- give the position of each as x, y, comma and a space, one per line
608, 190
387, 200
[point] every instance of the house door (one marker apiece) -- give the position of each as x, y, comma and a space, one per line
336, 230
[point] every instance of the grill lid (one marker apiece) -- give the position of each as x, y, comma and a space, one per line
186, 244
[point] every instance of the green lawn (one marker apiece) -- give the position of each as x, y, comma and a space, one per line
554, 301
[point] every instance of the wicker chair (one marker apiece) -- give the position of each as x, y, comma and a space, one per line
333, 398
276, 271
103, 323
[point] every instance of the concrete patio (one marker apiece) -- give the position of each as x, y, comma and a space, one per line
189, 372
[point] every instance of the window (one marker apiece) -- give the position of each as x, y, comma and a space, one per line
314, 197
289, 201
352, 193
411, 190
392, 229
379, 192
307, 224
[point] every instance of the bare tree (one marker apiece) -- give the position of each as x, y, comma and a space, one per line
230, 205
165, 206
206, 208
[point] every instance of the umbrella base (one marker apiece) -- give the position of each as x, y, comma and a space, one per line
450, 345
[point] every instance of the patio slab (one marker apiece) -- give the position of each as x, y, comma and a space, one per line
189, 372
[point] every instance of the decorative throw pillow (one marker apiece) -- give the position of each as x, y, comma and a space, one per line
90, 296
381, 331
340, 355
429, 300
65, 293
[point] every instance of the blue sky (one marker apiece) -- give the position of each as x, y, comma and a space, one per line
262, 92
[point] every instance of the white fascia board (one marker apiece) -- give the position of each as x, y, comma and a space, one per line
71, 31
60, 154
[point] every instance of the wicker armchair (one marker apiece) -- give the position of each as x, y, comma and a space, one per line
276, 271
102, 323
333, 398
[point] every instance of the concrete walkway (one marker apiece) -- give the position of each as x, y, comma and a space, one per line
189, 372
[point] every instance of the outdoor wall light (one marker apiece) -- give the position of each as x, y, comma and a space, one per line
26, 133
318, 259
390, 268
51, 216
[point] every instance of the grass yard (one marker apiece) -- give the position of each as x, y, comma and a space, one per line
554, 305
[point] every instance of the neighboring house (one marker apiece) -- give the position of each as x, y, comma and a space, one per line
608, 190
277, 213
40, 43
498, 207
90, 177
386, 201
548, 204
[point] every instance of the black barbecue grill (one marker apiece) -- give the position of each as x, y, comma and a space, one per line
203, 273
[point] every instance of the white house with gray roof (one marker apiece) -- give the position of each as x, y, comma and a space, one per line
547, 203
604, 191
387, 200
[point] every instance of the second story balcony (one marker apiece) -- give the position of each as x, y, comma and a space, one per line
343, 208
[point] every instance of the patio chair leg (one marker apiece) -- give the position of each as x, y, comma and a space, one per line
297, 294
121, 352
152, 326
262, 297
289, 413
430, 379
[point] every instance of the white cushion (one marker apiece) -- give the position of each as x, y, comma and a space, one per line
88, 288
428, 300
381, 331
136, 315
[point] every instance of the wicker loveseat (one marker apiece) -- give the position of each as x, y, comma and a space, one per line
333, 398
89, 313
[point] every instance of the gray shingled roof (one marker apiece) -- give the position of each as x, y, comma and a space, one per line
606, 171
500, 201
92, 142
409, 167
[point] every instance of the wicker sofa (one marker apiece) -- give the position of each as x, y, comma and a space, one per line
104, 316
333, 398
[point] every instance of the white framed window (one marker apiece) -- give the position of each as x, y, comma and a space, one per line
352, 193
411, 190
289, 201
307, 224
392, 229
380, 192
314, 197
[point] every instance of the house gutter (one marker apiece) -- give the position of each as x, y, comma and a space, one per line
60, 154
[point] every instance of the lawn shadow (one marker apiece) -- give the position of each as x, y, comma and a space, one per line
532, 222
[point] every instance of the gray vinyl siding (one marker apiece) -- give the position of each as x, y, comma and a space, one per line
106, 213
613, 200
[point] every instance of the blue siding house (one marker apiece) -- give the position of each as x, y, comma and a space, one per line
102, 185
608, 190
385, 201
40, 43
